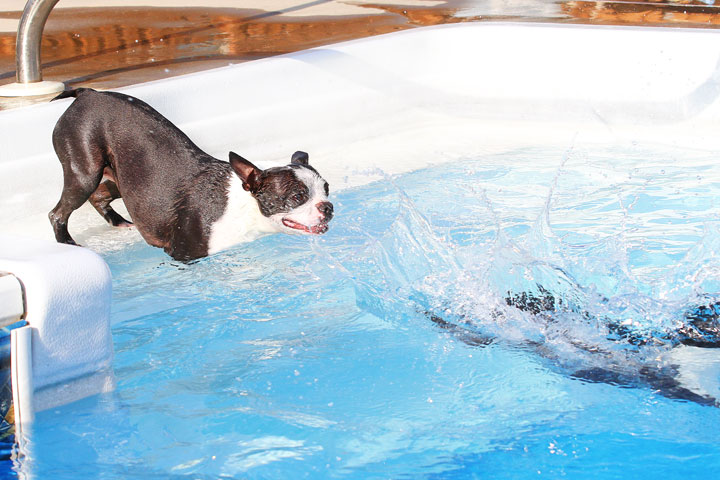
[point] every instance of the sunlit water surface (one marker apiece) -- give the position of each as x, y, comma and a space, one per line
293, 357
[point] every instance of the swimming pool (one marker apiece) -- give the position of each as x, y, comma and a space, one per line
293, 357
569, 160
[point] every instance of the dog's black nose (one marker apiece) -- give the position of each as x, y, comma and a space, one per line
326, 208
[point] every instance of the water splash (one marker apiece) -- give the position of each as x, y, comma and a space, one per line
396, 271
600, 314
609, 250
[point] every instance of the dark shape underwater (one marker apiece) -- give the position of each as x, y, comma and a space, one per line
700, 328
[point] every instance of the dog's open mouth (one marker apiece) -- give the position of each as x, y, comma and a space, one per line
318, 229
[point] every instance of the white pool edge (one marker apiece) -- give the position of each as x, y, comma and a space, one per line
65, 351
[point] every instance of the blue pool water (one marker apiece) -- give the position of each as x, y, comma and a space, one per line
293, 357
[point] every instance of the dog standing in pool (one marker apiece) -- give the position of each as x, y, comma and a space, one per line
180, 198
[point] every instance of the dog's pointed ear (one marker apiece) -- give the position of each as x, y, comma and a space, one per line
300, 158
247, 172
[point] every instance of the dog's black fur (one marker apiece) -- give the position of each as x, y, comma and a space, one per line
701, 328
112, 145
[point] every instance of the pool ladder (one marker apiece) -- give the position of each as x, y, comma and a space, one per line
27, 53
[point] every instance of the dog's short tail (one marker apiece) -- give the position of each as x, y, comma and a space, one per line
74, 92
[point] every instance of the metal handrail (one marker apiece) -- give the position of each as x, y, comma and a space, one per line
27, 53
29, 36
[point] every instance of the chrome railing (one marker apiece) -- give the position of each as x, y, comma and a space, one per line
29, 35
27, 52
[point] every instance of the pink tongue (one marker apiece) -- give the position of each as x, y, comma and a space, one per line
316, 229
295, 225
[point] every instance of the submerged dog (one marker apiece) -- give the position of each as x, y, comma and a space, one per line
680, 356
179, 198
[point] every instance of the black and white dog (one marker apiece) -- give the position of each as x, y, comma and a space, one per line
180, 198
684, 361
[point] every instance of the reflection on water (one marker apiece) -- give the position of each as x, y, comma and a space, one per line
109, 47
112, 47
687, 12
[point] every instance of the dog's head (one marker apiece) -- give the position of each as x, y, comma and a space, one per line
294, 197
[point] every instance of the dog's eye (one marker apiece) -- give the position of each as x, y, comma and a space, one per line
327, 189
295, 200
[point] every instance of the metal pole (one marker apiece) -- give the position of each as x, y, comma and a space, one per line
29, 35
22, 376
27, 53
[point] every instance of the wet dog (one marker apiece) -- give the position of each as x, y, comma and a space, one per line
684, 362
179, 198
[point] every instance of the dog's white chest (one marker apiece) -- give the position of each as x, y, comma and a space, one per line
241, 221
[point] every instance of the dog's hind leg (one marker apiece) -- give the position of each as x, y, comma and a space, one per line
82, 172
74, 194
103, 195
